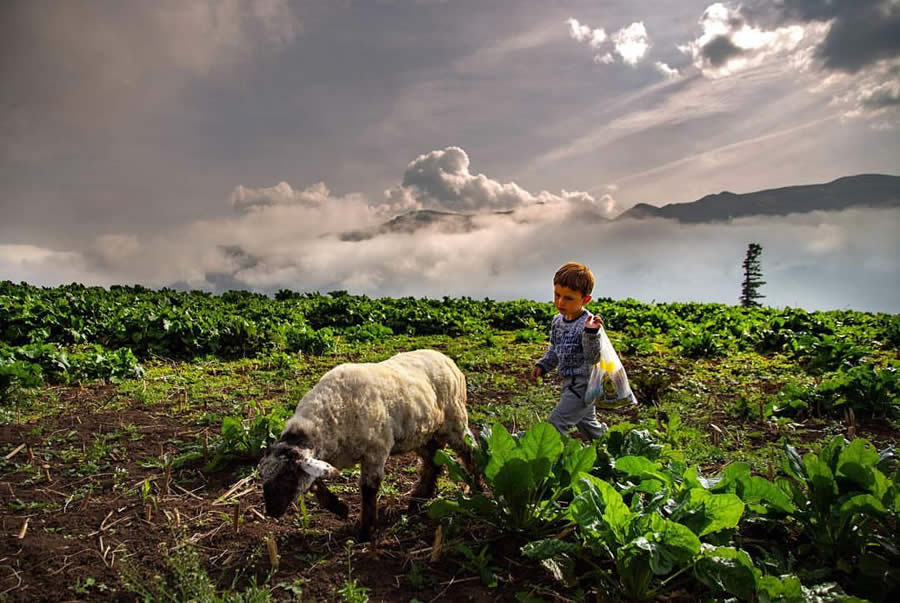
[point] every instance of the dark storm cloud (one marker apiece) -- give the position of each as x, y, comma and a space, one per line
862, 32
719, 50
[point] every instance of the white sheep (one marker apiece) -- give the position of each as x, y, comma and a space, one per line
363, 413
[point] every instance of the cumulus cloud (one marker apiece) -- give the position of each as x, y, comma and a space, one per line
856, 43
248, 199
668, 72
729, 43
582, 33
441, 180
630, 43
861, 32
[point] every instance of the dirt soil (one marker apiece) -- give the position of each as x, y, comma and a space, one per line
75, 531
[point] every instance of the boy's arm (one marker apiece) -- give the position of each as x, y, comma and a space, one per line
549, 360
590, 339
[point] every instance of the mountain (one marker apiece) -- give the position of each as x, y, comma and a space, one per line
871, 190
442, 221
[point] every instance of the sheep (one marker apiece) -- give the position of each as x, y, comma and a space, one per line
364, 413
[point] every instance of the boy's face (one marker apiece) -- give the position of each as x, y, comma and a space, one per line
568, 301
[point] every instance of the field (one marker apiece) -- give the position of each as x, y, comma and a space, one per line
132, 421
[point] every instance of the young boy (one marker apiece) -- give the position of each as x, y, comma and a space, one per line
574, 349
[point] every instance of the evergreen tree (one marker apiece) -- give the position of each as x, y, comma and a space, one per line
752, 277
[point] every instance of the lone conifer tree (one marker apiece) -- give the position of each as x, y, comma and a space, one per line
752, 277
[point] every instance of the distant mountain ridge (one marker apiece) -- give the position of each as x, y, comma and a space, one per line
870, 190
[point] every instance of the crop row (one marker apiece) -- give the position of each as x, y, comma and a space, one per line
626, 518
177, 324
71, 333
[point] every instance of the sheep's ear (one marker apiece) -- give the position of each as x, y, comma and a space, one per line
315, 467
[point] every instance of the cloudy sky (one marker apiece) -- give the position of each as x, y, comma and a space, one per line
229, 144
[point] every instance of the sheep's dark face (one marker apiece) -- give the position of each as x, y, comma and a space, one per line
287, 471
281, 474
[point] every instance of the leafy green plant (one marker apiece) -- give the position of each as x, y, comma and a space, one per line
642, 543
826, 353
793, 399
637, 346
701, 343
189, 581
17, 374
529, 336
368, 332
244, 441
480, 562
352, 591
847, 507
864, 388
526, 477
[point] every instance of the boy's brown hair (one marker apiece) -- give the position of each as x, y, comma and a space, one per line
575, 276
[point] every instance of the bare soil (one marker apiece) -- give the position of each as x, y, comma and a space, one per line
71, 531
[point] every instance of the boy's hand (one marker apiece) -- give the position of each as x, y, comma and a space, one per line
536, 372
593, 322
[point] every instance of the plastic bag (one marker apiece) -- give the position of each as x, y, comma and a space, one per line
609, 365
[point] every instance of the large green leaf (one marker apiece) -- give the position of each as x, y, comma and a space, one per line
832, 451
542, 441
794, 465
857, 462
752, 489
443, 458
726, 569
704, 512
597, 505
863, 503
515, 483
668, 543
641, 467
787, 589
823, 488
501, 447
548, 547
443, 507
578, 459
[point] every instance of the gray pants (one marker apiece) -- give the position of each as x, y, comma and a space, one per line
573, 410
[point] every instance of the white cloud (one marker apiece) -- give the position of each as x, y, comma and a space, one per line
872, 94
582, 33
246, 199
803, 256
665, 70
730, 44
632, 43
441, 180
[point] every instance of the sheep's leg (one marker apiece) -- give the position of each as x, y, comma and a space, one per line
428, 475
329, 501
464, 452
370, 482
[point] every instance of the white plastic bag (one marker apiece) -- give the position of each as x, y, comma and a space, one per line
609, 365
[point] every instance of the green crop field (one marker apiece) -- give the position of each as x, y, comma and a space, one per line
758, 465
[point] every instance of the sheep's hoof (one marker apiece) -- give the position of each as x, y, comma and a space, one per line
415, 505
339, 508
365, 534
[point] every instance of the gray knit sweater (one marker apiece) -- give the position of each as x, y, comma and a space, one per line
573, 348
